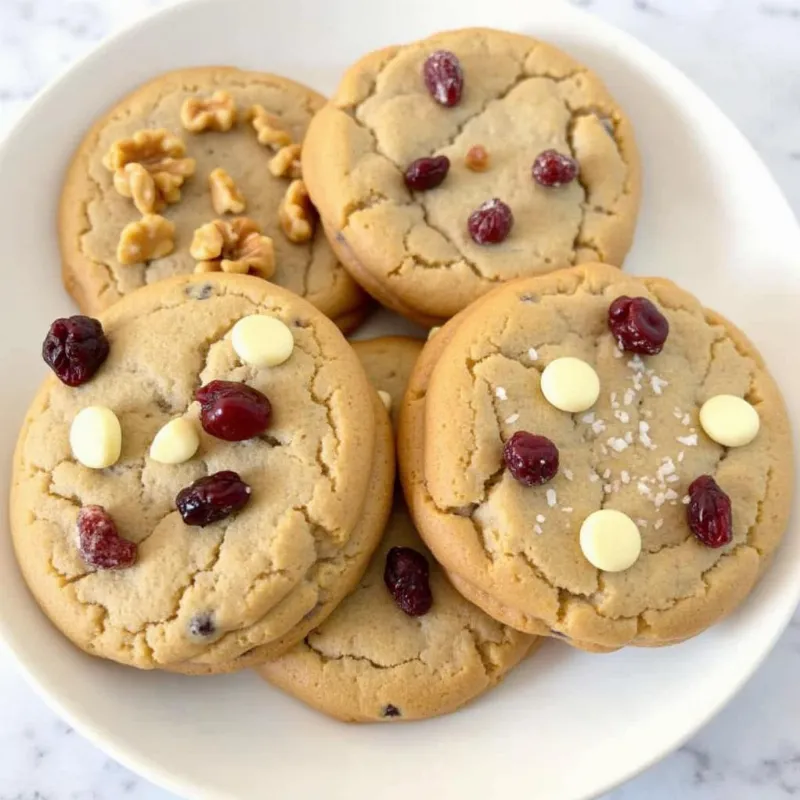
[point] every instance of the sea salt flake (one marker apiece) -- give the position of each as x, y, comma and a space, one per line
598, 426
501, 393
636, 364
629, 437
644, 436
588, 418
671, 494
628, 397
607, 474
512, 419
689, 441
625, 476
567, 509
617, 352
680, 456
643, 488
658, 384
594, 477
642, 523
538, 529
607, 488
659, 499
622, 416
551, 497
540, 517
532, 354
568, 474
617, 445
685, 499
673, 478
686, 420
658, 523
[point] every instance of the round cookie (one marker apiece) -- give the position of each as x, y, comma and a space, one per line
93, 213
371, 662
412, 249
514, 549
255, 583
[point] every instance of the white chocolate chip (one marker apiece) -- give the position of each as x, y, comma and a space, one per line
96, 437
176, 442
570, 384
729, 420
386, 399
262, 341
610, 540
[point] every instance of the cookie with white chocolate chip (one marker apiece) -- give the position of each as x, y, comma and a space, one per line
204, 477
372, 660
184, 150
444, 167
701, 519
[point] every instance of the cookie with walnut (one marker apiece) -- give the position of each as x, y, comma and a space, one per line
190, 149
447, 166
372, 661
203, 479
596, 456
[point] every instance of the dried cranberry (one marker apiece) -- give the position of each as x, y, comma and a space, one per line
491, 222
427, 173
637, 325
406, 578
531, 459
212, 498
709, 512
553, 169
99, 542
391, 711
444, 77
233, 411
201, 626
74, 348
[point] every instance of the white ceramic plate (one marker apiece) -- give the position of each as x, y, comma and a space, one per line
565, 725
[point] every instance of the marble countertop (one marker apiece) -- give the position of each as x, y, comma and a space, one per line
746, 55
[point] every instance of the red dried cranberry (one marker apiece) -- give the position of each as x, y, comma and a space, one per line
531, 459
233, 411
491, 222
637, 325
212, 498
427, 173
99, 542
406, 578
709, 512
443, 76
74, 349
553, 169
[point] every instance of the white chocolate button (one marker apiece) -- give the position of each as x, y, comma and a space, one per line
176, 442
570, 384
96, 437
610, 540
729, 420
262, 341
386, 399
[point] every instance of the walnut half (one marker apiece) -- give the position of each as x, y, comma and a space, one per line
268, 128
235, 245
150, 168
296, 214
225, 195
150, 237
214, 113
286, 162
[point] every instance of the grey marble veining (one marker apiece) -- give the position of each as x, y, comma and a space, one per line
746, 55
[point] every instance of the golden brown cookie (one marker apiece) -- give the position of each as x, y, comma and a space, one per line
186, 149
247, 587
411, 248
369, 661
518, 550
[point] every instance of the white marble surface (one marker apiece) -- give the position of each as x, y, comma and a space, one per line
746, 55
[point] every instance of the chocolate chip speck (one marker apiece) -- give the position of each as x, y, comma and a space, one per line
391, 711
201, 292
202, 626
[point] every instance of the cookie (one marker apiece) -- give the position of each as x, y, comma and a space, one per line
534, 554
403, 228
314, 464
370, 661
216, 103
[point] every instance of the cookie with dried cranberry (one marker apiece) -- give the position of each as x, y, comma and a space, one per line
208, 493
674, 474
444, 167
404, 645
185, 149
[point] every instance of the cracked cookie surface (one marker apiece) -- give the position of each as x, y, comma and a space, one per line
265, 575
521, 96
92, 213
371, 662
637, 450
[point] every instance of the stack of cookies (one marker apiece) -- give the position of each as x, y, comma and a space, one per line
206, 481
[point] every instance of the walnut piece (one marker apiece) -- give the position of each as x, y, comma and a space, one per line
214, 113
225, 195
286, 162
148, 238
268, 127
296, 214
477, 158
150, 168
235, 245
